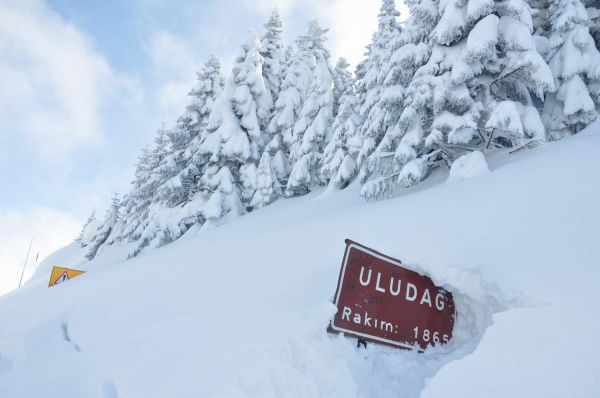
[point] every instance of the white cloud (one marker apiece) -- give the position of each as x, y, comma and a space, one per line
351, 23
174, 63
50, 230
53, 82
175, 58
266, 6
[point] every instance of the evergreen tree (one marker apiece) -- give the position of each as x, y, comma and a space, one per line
273, 55
294, 88
190, 125
313, 127
279, 159
84, 237
268, 187
408, 49
146, 200
174, 178
104, 230
182, 167
224, 199
139, 207
575, 64
203, 96
342, 80
236, 137
218, 185
189, 205
250, 100
137, 200
339, 157
371, 78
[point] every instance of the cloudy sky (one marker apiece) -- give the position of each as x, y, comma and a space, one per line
84, 84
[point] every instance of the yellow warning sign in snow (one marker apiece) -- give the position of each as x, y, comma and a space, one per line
60, 275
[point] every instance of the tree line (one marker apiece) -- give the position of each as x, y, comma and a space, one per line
458, 76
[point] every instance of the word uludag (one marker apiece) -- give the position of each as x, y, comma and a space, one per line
381, 301
395, 288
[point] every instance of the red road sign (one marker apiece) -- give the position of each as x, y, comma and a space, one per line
380, 300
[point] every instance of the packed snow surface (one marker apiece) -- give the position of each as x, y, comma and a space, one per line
241, 310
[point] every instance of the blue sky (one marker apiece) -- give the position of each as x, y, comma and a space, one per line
85, 83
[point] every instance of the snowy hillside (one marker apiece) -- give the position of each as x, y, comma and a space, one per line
241, 310
455, 78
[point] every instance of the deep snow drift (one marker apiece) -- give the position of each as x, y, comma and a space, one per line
241, 310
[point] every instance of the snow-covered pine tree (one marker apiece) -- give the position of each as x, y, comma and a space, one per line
273, 54
180, 167
478, 90
251, 103
279, 158
313, 128
84, 237
208, 89
268, 188
104, 230
408, 51
185, 137
295, 84
371, 78
288, 58
575, 63
250, 99
135, 203
342, 80
236, 137
192, 124
224, 195
163, 169
137, 206
217, 186
339, 156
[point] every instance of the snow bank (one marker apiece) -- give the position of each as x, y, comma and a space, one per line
241, 311
467, 166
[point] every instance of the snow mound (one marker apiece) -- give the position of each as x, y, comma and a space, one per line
468, 166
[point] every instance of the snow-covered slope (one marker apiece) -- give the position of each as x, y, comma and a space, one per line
242, 310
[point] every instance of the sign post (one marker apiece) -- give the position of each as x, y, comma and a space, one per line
60, 275
382, 301
25, 264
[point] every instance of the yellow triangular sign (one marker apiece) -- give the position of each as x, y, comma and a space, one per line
60, 275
